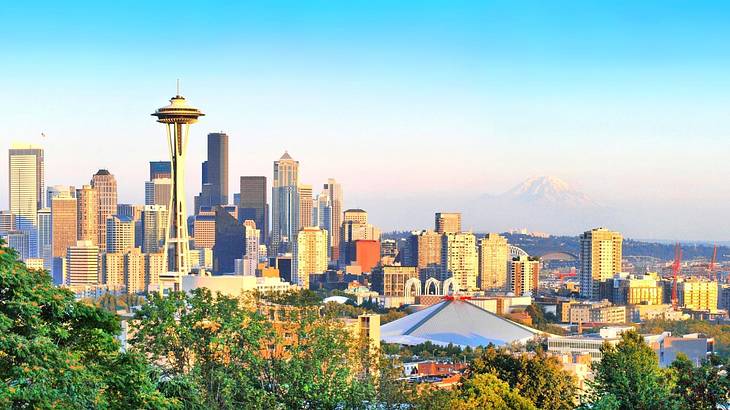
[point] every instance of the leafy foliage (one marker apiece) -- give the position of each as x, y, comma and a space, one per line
700, 387
221, 348
533, 375
629, 376
56, 352
485, 391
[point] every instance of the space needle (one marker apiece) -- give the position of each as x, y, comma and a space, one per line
177, 116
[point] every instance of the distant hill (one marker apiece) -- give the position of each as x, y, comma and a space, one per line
665, 251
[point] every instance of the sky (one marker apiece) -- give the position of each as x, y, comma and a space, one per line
405, 103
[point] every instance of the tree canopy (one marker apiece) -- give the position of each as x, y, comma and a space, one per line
56, 352
534, 375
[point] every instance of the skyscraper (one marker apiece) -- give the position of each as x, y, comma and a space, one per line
336, 203
214, 189
285, 197
229, 242
154, 225
119, 234
26, 185
460, 261
87, 210
600, 259
63, 228
448, 222
493, 259
157, 191
253, 240
305, 206
160, 169
310, 255
424, 249
106, 186
322, 217
252, 203
177, 117
45, 238
204, 229
82, 264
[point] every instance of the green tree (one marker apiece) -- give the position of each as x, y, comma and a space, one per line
217, 352
628, 377
700, 387
325, 369
205, 344
485, 391
533, 375
56, 352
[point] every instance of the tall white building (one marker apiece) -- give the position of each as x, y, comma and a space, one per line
82, 264
493, 259
253, 241
459, 260
310, 255
26, 186
600, 259
285, 206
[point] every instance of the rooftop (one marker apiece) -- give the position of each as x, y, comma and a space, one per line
458, 322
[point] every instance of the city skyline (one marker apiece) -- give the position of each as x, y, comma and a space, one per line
465, 87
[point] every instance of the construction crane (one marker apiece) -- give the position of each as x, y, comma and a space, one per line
675, 272
711, 266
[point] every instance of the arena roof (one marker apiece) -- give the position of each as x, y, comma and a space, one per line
458, 322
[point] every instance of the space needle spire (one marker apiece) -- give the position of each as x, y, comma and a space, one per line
177, 117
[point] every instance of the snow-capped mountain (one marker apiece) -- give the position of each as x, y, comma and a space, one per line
548, 190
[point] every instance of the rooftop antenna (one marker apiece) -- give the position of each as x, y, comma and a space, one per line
178, 86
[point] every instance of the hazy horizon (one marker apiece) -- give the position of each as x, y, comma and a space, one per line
414, 107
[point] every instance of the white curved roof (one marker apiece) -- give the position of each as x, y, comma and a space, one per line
337, 299
458, 322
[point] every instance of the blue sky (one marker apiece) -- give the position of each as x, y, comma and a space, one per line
403, 102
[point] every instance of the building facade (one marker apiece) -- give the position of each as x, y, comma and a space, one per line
493, 260
26, 184
87, 210
106, 187
524, 276
448, 222
252, 204
460, 260
82, 264
310, 255
285, 197
119, 234
600, 259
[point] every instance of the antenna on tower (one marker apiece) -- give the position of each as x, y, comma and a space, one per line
178, 87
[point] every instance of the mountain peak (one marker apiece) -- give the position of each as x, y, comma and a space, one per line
548, 190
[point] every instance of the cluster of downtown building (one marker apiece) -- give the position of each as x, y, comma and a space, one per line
87, 240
